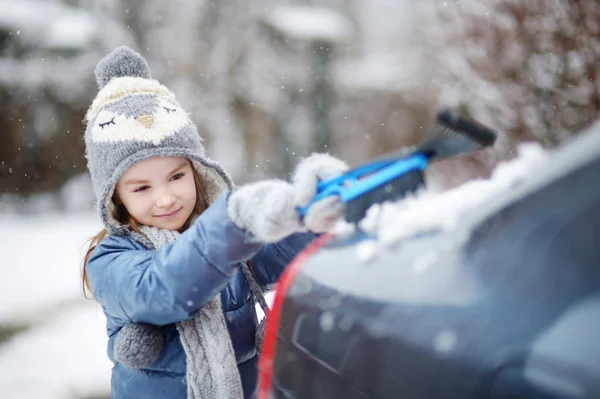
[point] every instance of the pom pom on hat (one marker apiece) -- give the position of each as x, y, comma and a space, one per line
121, 62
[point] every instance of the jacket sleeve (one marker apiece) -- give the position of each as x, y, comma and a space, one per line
135, 284
271, 259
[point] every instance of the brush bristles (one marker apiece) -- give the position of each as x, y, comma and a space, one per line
482, 135
390, 191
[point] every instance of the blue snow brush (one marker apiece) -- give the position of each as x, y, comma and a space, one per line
397, 174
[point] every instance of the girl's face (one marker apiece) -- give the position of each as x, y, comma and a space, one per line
159, 191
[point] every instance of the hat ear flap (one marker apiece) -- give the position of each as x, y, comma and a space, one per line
121, 62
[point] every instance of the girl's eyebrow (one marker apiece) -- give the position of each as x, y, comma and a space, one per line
136, 181
182, 165
141, 181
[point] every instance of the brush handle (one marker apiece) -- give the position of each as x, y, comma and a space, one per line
361, 180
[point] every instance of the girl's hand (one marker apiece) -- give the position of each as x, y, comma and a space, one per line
323, 214
265, 209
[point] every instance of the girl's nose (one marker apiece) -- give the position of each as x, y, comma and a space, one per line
165, 200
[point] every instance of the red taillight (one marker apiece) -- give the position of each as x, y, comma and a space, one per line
267, 354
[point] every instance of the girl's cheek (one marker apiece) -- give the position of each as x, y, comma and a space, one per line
145, 205
149, 204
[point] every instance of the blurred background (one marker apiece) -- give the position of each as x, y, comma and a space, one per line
267, 82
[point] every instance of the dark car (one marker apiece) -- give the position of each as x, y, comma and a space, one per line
506, 304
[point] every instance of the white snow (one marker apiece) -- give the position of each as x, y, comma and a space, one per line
57, 25
310, 23
62, 354
41, 259
62, 357
77, 193
445, 341
72, 30
269, 297
367, 250
385, 72
327, 321
425, 261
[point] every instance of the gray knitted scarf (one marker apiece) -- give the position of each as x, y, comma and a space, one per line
212, 371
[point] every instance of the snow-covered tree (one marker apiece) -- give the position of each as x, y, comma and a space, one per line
527, 67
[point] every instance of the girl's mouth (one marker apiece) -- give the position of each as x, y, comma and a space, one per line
166, 215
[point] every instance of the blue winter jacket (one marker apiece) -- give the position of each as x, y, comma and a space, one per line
134, 284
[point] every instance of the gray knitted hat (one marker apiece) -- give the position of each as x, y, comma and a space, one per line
132, 118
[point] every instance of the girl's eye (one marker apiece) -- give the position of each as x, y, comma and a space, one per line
177, 176
140, 189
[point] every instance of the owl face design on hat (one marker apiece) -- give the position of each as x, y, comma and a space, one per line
132, 118
140, 117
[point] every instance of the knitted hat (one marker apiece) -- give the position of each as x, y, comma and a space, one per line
132, 118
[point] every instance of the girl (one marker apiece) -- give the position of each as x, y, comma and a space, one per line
180, 317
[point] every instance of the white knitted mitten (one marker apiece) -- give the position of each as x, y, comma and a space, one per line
323, 214
265, 209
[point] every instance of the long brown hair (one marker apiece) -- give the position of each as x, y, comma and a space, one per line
123, 217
